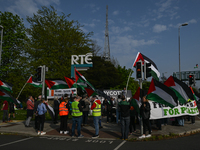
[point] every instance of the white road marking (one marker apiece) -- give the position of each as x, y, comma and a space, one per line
120, 145
16, 141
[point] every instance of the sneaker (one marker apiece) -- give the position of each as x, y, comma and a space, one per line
65, 132
95, 136
38, 133
61, 132
149, 135
43, 133
141, 137
81, 136
73, 136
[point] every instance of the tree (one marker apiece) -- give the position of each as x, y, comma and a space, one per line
14, 58
53, 39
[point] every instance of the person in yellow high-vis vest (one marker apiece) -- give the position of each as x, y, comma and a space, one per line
96, 113
77, 112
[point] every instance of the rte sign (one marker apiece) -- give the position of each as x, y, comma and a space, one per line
81, 59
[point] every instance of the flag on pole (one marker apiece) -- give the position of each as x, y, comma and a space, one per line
35, 84
69, 81
160, 93
182, 91
90, 92
7, 97
55, 84
154, 70
195, 98
5, 86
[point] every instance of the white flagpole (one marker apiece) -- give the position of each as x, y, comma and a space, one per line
22, 88
128, 80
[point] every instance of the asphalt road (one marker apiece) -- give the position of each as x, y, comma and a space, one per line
9, 142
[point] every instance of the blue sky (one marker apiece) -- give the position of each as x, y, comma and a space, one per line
146, 26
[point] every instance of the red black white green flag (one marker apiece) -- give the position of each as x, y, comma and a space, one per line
90, 92
69, 81
7, 97
183, 92
160, 93
55, 84
35, 84
5, 86
154, 70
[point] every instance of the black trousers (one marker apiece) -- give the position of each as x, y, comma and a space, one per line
146, 124
132, 124
63, 123
108, 115
85, 117
41, 122
37, 122
56, 115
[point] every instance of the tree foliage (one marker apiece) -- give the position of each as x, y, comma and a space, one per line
53, 39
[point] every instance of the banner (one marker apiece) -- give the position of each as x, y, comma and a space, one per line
115, 93
59, 92
159, 111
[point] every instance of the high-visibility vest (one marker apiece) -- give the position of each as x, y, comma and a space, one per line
75, 109
97, 110
63, 111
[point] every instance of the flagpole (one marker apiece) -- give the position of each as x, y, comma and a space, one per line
128, 80
22, 89
75, 80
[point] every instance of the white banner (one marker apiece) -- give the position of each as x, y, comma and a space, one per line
160, 111
59, 92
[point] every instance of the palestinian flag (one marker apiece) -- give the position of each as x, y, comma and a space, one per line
55, 84
5, 86
7, 97
160, 93
182, 91
195, 98
50, 111
90, 92
154, 70
136, 100
69, 81
35, 84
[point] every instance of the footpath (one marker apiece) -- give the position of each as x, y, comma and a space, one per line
109, 130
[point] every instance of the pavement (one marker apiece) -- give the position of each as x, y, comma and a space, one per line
110, 131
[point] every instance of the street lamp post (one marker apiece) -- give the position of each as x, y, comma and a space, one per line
1, 42
184, 24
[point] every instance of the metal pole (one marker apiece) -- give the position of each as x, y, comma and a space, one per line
1, 41
141, 123
179, 52
43, 80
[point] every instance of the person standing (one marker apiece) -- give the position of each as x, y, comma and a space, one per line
64, 112
132, 126
108, 107
30, 109
96, 113
117, 109
77, 112
56, 109
11, 110
5, 110
35, 112
125, 117
85, 109
145, 114
41, 110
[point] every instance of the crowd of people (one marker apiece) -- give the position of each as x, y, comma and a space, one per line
79, 108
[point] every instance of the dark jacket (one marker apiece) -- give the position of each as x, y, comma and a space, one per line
107, 104
56, 105
145, 111
124, 107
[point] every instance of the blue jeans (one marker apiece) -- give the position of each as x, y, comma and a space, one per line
78, 121
96, 124
125, 122
181, 121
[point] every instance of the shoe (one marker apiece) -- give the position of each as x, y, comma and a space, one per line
141, 137
42, 133
73, 136
38, 133
61, 132
65, 132
149, 135
95, 136
81, 136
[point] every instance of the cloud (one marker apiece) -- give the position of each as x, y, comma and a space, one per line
159, 28
115, 12
118, 30
28, 7
89, 24
192, 21
93, 7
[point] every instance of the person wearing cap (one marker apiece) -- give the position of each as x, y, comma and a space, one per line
77, 112
96, 113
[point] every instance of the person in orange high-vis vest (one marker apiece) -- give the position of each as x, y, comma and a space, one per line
63, 112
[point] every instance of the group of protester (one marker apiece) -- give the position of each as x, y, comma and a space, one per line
6, 113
